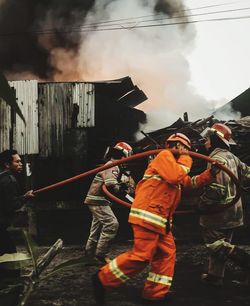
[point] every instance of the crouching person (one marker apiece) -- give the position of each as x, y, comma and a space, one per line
104, 224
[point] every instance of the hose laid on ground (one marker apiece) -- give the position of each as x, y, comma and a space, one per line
214, 209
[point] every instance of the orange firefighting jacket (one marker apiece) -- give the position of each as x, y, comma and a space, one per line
159, 191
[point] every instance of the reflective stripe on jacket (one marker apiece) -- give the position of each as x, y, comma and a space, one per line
222, 191
108, 177
111, 178
159, 192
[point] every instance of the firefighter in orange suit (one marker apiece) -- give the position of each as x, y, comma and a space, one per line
157, 196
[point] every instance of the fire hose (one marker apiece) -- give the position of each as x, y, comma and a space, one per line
214, 208
126, 204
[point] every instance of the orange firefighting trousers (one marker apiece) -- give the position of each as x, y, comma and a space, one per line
149, 248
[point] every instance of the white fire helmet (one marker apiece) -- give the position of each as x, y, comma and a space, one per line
125, 148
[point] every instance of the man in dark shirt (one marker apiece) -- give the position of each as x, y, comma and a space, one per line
11, 198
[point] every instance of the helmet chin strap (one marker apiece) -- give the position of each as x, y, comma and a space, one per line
179, 145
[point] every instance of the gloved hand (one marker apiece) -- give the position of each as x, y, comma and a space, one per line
123, 188
214, 170
118, 189
29, 194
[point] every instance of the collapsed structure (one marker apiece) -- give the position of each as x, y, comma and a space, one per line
69, 126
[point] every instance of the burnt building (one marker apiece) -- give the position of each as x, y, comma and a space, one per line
69, 126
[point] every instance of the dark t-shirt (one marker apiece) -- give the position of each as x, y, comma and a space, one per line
10, 198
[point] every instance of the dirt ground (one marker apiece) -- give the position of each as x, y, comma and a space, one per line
72, 287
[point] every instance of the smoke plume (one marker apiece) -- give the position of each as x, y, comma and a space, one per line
154, 56
227, 112
32, 31
92, 40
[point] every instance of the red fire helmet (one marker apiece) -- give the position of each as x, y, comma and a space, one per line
223, 132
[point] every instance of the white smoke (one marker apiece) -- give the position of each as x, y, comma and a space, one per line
226, 113
154, 57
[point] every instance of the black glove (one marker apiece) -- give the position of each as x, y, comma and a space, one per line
118, 189
123, 187
214, 170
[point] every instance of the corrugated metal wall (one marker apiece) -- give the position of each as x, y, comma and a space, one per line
63, 106
5, 126
83, 95
25, 138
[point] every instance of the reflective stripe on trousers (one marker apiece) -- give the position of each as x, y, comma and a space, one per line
216, 262
149, 247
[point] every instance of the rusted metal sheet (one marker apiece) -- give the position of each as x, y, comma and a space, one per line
26, 136
83, 96
13, 132
5, 126
63, 106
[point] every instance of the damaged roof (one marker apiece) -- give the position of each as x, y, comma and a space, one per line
123, 91
239, 104
240, 130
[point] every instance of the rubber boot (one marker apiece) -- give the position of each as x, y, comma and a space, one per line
98, 290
